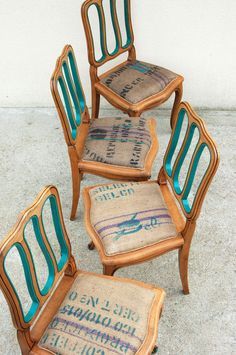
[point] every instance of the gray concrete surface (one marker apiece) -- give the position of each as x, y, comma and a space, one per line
33, 154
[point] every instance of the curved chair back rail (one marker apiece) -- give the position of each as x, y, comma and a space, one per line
56, 268
69, 96
175, 157
120, 47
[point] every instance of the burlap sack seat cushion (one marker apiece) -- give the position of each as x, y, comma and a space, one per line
129, 216
100, 316
118, 141
137, 81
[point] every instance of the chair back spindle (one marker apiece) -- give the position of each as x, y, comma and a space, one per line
190, 162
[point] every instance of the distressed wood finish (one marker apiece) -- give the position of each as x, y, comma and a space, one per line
30, 331
97, 88
183, 219
76, 127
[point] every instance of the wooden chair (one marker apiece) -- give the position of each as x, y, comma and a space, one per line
115, 148
134, 222
70, 311
133, 86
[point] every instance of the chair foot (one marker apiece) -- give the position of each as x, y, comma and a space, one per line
95, 104
91, 246
155, 349
183, 269
109, 270
186, 291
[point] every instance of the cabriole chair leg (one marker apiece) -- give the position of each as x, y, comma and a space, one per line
76, 180
95, 103
183, 268
109, 270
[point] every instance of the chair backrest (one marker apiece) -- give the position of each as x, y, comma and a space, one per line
42, 246
190, 161
68, 95
108, 13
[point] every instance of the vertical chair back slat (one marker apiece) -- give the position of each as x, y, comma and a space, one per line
128, 24
17, 240
76, 78
174, 163
68, 95
116, 27
30, 283
181, 157
50, 257
73, 94
68, 109
45, 251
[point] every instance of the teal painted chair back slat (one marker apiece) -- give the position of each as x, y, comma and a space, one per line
96, 18
68, 94
22, 245
191, 161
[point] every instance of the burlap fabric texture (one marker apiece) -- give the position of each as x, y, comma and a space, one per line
130, 216
118, 141
100, 316
137, 80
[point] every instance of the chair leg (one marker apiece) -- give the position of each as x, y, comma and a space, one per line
76, 180
109, 270
183, 268
91, 246
95, 103
178, 98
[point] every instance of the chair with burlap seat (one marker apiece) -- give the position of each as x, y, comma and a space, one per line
120, 148
58, 309
133, 222
133, 86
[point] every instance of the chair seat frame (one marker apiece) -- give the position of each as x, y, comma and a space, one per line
136, 110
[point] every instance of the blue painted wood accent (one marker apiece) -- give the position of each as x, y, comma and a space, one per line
51, 273
174, 142
59, 233
35, 302
127, 24
182, 158
174, 172
78, 86
68, 106
192, 175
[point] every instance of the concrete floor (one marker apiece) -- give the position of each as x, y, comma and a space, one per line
33, 154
